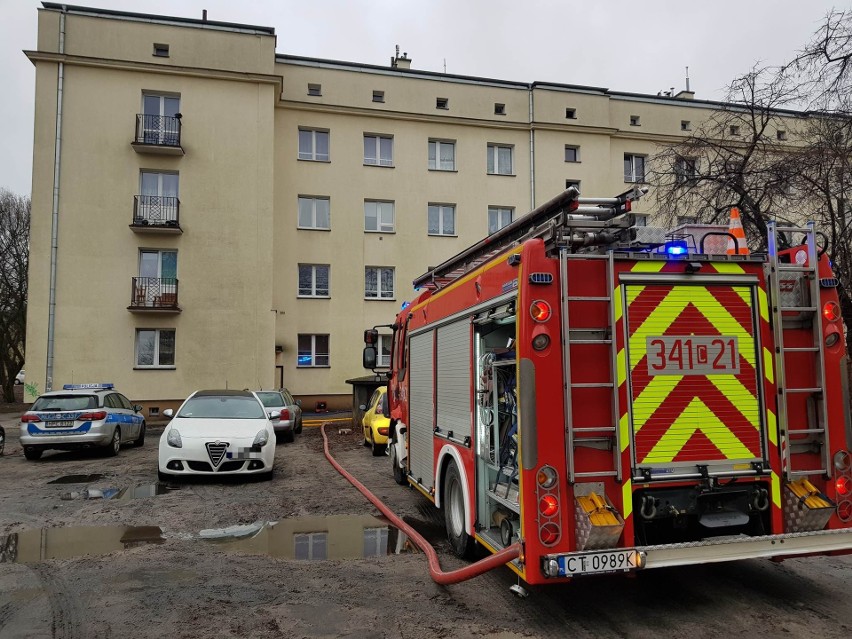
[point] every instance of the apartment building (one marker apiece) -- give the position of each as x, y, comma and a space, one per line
208, 213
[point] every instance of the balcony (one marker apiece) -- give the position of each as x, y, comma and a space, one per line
156, 214
154, 294
158, 134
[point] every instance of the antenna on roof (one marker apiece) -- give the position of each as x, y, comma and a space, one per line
687, 78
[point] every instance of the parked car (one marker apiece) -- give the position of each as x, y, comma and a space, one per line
19, 378
81, 416
374, 423
290, 422
2, 439
218, 432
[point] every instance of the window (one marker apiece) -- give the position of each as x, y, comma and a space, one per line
685, 125
313, 145
384, 348
314, 213
572, 153
442, 103
442, 219
161, 50
498, 217
499, 109
310, 546
634, 120
160, 265
313, 280
160, 121
378, 216
315, 89
686, 169
442, 155
499, 159
571, 114
734, 129
155, 348
378, 150
153, 411
378, 282
378, 96
376, 542
312, 351
574, 183
158, 198
781, 135
634, 168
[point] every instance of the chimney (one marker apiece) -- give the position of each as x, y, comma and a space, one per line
401, 62
204, 15
685, 95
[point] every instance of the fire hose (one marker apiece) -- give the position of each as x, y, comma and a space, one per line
439, 576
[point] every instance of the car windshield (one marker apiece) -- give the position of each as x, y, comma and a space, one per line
222, 407
271, 399
65, 402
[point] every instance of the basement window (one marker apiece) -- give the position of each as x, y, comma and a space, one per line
315, 89
442, 103
153, 411
499, 109
161, 50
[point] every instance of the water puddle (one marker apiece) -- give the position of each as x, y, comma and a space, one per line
313, 538
77, 479
134, 492
39, 544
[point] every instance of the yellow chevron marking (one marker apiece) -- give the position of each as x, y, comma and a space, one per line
768, 370
648, 267
762, 305
633, 292
627, 498
697, 417
651, 397
621, 361
738, 395
772, 427
776, 490
624, 425
728, 267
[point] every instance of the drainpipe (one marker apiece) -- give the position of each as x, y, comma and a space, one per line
54, 220
532, 151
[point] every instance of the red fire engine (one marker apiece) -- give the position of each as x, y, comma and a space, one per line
613, 406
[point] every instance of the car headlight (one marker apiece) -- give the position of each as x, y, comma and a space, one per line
261, 438
173, 438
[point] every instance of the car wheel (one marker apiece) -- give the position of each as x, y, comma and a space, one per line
115, 444
140, 441
2, 440
398, 471
366, 441
267, 476
288, 436
454, 514
299, 427
33, 453
376, 449
164, 477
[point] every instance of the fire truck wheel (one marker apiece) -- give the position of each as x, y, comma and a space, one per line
454, 514
398, 471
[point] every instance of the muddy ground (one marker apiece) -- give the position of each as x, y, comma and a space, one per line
186, 586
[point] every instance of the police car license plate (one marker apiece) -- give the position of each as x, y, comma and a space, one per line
598, 562
64, 423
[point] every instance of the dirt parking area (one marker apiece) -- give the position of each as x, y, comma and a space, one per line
158, 565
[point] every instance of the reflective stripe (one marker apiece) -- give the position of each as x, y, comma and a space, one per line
772, 427
768, 371
627, 498
775, 482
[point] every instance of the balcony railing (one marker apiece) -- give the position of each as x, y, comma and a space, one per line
154, 293
158, 134
156, 212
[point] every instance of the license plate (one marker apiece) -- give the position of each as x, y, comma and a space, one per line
598, 562
66, 423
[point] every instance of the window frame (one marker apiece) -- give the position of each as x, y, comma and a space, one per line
384, 360
497, 212
631, 178
378, 296
158, 335
313, 294
313, 199
441, 207
376, 139
438, 162
381, 227
493, 165
313, 155
685, 170
314, 353
576, 149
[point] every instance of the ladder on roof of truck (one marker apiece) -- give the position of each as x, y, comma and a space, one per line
808, 309
587, 218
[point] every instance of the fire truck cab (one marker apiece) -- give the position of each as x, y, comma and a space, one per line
613, 406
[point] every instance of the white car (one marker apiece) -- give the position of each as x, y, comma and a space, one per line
215, 433
19, 378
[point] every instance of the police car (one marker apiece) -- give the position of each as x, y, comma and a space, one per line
81, 416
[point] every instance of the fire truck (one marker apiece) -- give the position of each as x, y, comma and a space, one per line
611, 405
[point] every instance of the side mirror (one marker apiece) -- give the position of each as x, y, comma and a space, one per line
371, 336
362, 407
169, 412
137, 408
369, 357
274, 414
299, 403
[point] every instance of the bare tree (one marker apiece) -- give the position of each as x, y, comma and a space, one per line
14, 260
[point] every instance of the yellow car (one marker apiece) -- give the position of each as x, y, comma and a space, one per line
375, 425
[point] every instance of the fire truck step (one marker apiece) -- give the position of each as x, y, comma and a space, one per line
805, 431
801, 349
796, 269
574, 298
803, 390
602, 473
595, 429
590, 341
592, 385
817, 471
798, 309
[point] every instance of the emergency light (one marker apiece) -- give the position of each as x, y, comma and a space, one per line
675, 247
103, 386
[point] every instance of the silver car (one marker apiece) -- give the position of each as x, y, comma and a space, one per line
290, 423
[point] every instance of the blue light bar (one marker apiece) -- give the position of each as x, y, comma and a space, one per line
675, 248
102, 386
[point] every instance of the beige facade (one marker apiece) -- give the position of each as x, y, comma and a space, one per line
236, 313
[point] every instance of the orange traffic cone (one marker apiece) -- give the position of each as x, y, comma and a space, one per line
735, 228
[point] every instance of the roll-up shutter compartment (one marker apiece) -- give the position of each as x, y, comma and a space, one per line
422, 409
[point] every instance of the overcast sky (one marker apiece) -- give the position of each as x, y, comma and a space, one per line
624, 45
